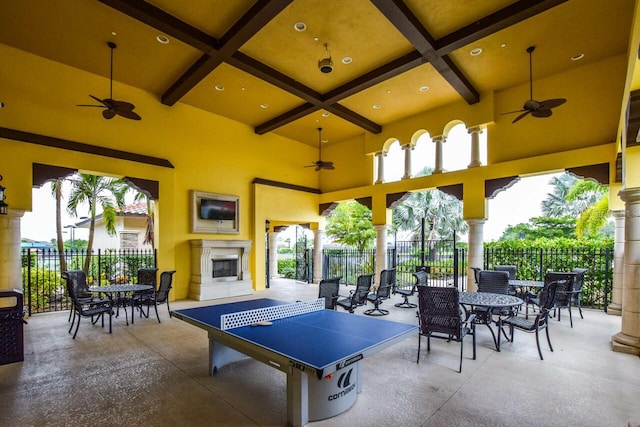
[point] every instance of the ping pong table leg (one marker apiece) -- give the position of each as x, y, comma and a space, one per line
297, 398
220, 355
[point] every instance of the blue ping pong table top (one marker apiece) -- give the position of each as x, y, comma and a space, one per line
318, 339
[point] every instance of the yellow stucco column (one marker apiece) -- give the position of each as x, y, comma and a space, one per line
10, 262
381, 250
476, 250
615, 307
318, 236
628, 339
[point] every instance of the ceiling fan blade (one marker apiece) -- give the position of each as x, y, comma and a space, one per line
542, 113
328, 165
90, 105
520, 116
99, 100
511, 112
551, 103
122, 105
128, 114
108, 114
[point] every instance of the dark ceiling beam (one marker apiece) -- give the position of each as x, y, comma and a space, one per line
354, 118
285, 118
274, 77
373, 77
410, 27
161, 20
246, 27
503, 18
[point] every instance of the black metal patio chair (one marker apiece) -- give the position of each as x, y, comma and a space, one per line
329, 289
160, 296
358, 296
382, 292
548, 296
440, 316
84, 306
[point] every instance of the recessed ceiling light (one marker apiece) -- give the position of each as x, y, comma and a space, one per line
503, 45
325, 114
347, 60
264, 106
388, 91
577, 57
424, 88
376, 106
162, 39
475, 51
113, 33
300, 26
243, 88
316, 39
219, 88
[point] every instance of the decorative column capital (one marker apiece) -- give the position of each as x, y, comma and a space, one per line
440, 138
474, 130
619, 213
475, 221
408, 146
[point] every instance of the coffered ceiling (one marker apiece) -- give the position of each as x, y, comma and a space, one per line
250, 61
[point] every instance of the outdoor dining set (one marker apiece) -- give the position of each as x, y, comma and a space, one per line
96, 302
502, 302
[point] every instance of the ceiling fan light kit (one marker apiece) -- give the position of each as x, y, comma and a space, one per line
112, 107
531, 106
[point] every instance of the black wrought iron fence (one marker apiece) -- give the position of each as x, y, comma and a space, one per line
446, 264
44, 289
533, 263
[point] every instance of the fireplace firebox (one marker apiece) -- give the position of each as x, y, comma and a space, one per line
227, 267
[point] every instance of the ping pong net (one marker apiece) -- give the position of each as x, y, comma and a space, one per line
266, 314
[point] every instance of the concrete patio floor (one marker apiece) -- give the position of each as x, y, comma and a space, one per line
151, 374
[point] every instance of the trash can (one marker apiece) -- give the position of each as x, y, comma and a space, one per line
11, 326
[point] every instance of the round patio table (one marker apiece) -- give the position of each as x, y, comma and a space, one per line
118, 290
492, 302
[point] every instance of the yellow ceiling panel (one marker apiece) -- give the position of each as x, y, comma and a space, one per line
235, 94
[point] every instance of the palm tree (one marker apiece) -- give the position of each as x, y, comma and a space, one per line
441, 212
584, 199
108, 193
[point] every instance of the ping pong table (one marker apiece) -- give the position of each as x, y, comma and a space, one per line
319, 350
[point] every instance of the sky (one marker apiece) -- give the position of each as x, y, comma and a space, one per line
515, 205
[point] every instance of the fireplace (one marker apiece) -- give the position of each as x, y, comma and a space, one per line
225, 267
220, 269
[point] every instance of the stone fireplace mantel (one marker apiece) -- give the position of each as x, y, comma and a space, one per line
203, 285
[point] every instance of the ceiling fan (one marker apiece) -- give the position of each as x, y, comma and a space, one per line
111, 106
533, 107
320, 164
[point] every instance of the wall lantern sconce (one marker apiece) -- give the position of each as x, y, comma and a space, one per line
4, 208
267, 226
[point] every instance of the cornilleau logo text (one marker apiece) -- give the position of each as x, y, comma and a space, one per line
344, 382
349, 361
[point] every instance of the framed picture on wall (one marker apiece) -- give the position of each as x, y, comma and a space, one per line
214, 213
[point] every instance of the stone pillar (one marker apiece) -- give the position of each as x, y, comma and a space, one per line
475, 146
407, 160
615, 307
318, 236
380, 157
476, 250
10, 257
628, 339
381, 251
439, 140
273, 254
